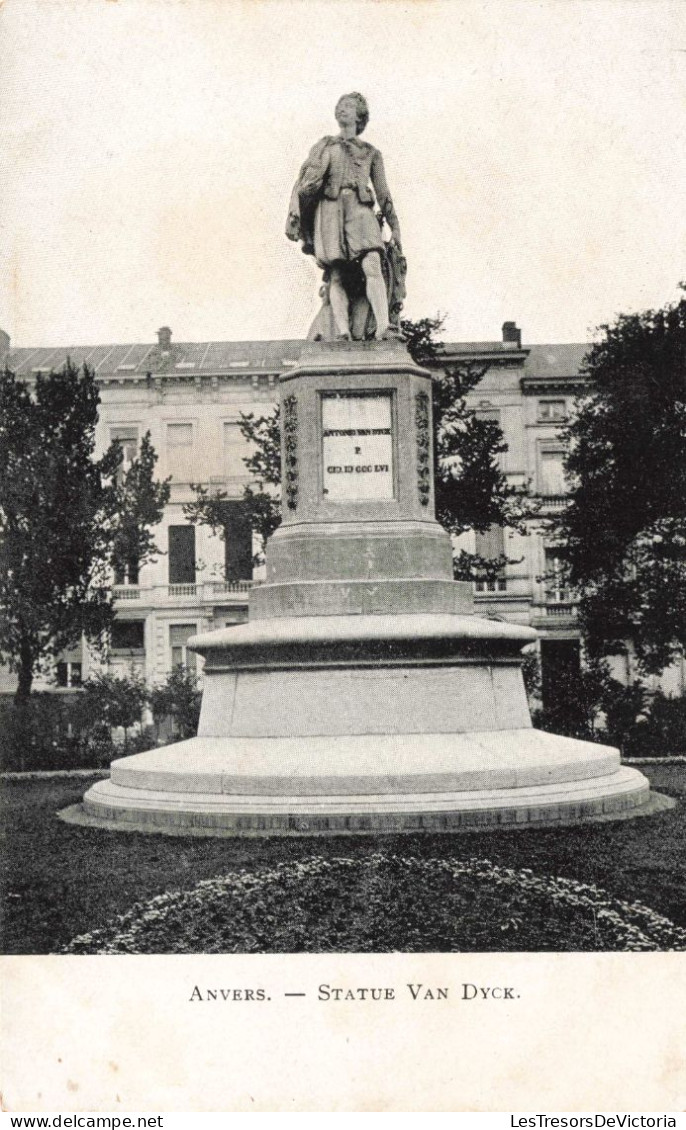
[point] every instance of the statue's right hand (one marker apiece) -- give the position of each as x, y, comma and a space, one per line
293, 226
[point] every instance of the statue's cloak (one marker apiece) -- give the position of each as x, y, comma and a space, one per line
305, 197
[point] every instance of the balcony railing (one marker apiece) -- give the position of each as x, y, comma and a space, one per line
182, 590
560, 610
548, 611
206, 591
233, 586
553, 501
126, 592
491, 584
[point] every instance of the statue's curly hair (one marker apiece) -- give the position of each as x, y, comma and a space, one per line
362, 109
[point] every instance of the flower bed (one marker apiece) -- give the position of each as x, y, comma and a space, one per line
383, 903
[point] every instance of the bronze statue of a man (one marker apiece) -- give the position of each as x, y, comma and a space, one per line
332, 213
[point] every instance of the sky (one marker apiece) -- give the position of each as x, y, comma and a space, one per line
535, 152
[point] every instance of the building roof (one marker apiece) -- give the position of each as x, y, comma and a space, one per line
551, 361
210, 357
138, 359
451, 347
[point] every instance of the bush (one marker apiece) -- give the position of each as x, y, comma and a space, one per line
383, 903
75, 731
641, 725
179, 699
531, 673
114, 702
662, 733
46, 733
577, 705
53, 731
623, 707
140, 740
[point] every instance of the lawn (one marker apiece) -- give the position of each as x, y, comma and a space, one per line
62, 880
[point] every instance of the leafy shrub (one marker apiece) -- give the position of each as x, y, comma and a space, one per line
662, 733
113, 702
179, 699
531, 673
578, 702
383, 903
140, 740
623, 707
640, 724
75, 731
43, 733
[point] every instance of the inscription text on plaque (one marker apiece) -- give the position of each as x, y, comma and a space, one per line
357, 445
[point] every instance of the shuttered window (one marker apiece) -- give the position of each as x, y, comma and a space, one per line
180, 454
491, 545
237, 542
235, 450
182, 555
552, 475
179, 635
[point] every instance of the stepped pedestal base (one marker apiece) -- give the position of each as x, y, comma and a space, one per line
410, 782
356, 723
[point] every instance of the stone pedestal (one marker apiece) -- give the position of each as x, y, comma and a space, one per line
363, 693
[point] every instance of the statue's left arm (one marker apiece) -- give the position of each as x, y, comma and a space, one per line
383, 196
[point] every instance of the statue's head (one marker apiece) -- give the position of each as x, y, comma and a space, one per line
358, 103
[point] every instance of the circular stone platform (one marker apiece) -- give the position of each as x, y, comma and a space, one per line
366, 783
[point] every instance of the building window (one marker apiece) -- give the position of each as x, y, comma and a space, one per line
181, 555
552, 411
180, 451
491, 546
493, 417
128, 439
493, 584
235, 450
127, 573
179, 635
491, 414
179, 435
127, 635
556, 590
69, 674
69, 667
240, 616
551, 473
237, 542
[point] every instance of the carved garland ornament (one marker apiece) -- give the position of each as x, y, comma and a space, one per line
422, 420
290, 432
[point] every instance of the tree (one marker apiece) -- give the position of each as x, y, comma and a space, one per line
575, 709
623, 707
140, 502
115, 701
623, 534
262, 499
471, 490
179, 699
66, 518
531, 672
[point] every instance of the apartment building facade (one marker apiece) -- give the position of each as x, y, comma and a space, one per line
190, 397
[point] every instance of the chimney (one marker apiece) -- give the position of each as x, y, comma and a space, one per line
4, 345
164, 338
512, 335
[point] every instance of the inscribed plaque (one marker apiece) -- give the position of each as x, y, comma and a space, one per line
357, 446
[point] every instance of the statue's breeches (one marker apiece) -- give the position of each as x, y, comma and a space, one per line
345, 229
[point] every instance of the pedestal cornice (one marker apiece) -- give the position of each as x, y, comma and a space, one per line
338, 358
